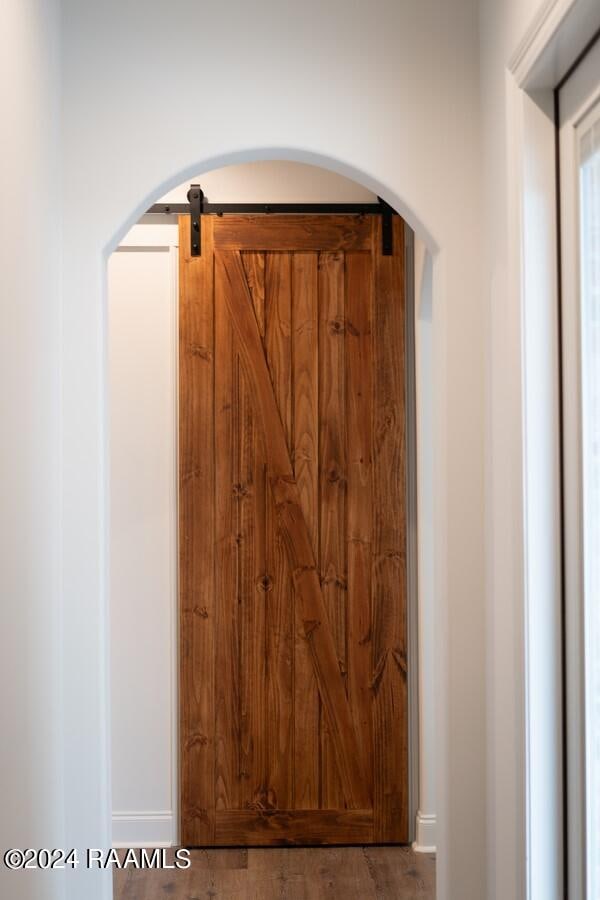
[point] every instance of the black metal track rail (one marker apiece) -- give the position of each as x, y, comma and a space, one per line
220, 209
198, 207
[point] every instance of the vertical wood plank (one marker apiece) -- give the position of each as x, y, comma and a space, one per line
332, 482
359, 374
227, 682
250, 495
254, 267
278, 334
279, 616
305, 456
196, 539
254, 583
294, 532
390, 710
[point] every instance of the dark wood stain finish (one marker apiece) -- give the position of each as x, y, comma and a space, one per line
292, 533
196, 539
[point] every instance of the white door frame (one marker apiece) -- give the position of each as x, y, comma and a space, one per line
579, 102
526, 840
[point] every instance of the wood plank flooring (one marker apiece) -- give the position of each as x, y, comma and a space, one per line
347, 873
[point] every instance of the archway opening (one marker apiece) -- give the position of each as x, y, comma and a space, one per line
143, 335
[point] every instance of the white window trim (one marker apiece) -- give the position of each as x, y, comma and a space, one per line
526, 836
579, 105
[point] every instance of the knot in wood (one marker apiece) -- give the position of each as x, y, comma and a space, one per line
337, 327
333, 578
264, 584
196, 812
204, 353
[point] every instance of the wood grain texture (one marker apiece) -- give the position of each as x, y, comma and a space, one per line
278, 335
196, 529
249, 492
332, 483
389, 681
305, 454
279, 604
292, 232
359, 379
253, 579
227, 552
286, 873
254, 267
293, 470
295, 826
232, 289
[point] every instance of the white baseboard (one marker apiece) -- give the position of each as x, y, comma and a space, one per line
155, 829
426, 839
143, 829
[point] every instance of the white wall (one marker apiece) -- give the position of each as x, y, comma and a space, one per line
30, 747
426, 825
502, 25
272, 181
345, 86
142, 340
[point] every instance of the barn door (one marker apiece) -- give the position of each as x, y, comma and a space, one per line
292, 532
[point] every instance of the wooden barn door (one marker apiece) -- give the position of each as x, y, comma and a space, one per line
292, 532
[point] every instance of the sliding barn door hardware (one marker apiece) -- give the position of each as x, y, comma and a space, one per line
387, 228
196, 197
198, 207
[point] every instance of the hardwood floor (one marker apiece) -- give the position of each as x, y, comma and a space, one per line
347, 873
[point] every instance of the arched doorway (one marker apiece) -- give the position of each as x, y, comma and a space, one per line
314, 198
